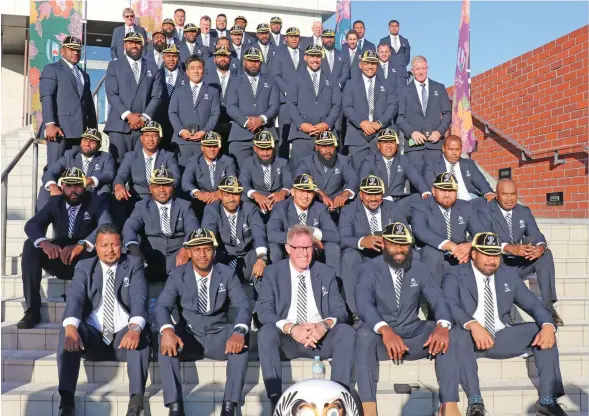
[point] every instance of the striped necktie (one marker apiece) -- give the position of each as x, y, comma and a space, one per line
158, 59
190, 47
203, 296
223, 85
489, 308
136, 71
316, 84
301, 300
396, 44
398, 284
233, 225
205, 40
166, 222
71, 221
267, 177
423, 99
212, 175
148, 168
389, 163
330, 61
352, 54
303, 218
385, 70
108, 324
325, 168
254, 84
170, 84
374, 222
295, 58
86, 166
509, 225
453, 173
448, 226
370, 99
79, 85
194, 95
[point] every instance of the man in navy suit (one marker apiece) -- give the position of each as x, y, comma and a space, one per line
105, 319
266, 178
440, 223
360, 227
155, 50
333, 62
387, 72
276, 38
66, 101
302, 209
194, 111
363, 43
169, 29
287, 61
249, 39
337, 183
189, 46
472, 185
524, 246
314, 103
205, 290
133, 89
117, 46
266, 47
239, 230
74, 216
424, 115
400, 48
253, 101
236, 33
98, 167
302, 314
395, 170
315, 39
388, 294
179, 20
369, 105
205, 38
158, 226
221, 26
233, 64
351, 54
481, 294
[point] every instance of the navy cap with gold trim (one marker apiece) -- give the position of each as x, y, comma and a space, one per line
168, 21
134, 37
314, 50
200, 237
72, 42
304, 182
92, 134
240, 18
263, 28
72, 176
253, 54
264, 140
151, 125
328, 33
161, 32
293, 31
276, 19
172, 49
236, 30
211, 138
487, 243
446, 181
326, 138
397, 233
161, 176
388, 135
190, 27
222, 51
230, 184
369, 56
372, 184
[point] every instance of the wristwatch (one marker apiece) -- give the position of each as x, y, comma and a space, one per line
263, 257
445, 325
240, 330
135, 327
83, 244
326, 326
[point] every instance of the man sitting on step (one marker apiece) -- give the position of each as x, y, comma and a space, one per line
481, 294
74, 216
206, 290
515, 224
104, 320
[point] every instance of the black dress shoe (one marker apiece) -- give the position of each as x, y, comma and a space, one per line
176, 409
273, 403
30, 319
134, 410
66, 411
476, 410
556, 318
228, 408
549, 410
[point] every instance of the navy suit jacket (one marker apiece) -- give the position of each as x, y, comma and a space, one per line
132, 170
353, 66
211, 67
275, 292
284, 215
402, 57
394, 79
145, 222
305, 107
241, 104
84, 294
460, 288
366, 46
225, 291
471, 175
268, 62
183, 113
375, 296
212, 43
341, 71
355, 105
92, 213
124, 94
523, 224
251, 232
281, 42
438, 115
429, 226
251, 176
213, 80
149, 56
196, 175
353, 222
401, 170
117, 45
335, 180
162, 113
61, 103
102, 167
284, 71
198, 50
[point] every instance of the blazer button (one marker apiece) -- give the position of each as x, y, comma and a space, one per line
255, 104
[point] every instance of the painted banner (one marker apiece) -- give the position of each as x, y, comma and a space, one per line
461, 111
343, 21
51, 21
149, 13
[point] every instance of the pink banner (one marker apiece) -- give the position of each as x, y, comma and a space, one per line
343, 21
149, 13
461, 111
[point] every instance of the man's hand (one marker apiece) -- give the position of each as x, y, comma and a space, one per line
319, 128
134, 251
186, 135
434, 137
368, 128
515, 249
134, 120
264, 202
317, 243
533, 252
89, 182
302, 333
418, 137
52, 131
326, 200
307, 128
258, 269
52, 251
482, 339
206, 197
278, 196
121, 192
462, 252
169, 343
182, 257
438, 341
318, 331
197, 137
72, 341
393, 343
254, 123
340, 200
449, 246
54, 190
372, 242
426, 195
69, 253
235, 343
490, 196
131, 340
215, 196
545, 338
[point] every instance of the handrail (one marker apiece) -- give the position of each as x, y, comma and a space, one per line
526, 153
95, 92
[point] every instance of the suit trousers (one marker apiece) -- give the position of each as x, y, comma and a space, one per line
405, 204
330, 255
300, 148
510, 342
68, 363
240, 151
284, 126
359, 153
370, 350
159, 264
543, 266
185, 151
121, 143
245, 264
212, 346
337, 344
56, 149
420, 158
352, 259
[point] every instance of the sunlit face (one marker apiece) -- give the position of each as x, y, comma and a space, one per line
359, 27
71, 55
221, 22
129, 18
352, 40
293, 41
230, 201
371, 201
264, 154
108, 248
168, 29
387, 148
205, 26
300, 251
445, 198
398, 252
89, 147
236, 38
486, 264
394, 28
195, 71
202, 257
368, 68
134, 49
303, 199
313, 62
507, 194
179, 18
326, 151
317, 29
419, 69
171, 61
210, 152
275, 28
162, 193
73, 193
452, 150
159, 41
384, 53
263, 37
150, 140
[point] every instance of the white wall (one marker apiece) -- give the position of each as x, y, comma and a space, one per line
11, 81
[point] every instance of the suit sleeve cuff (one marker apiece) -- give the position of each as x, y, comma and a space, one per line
360, 243
442, 244
125, 114
39, 241
250, 193
264, 119
131, 243
193, 192
166, 327
464, 326
90, 248
137, 320
425, 193
245, 125
280, 324
551, 324
317, 233
443, 321
379, 325
244, 326
49, 122
261, 250
353, 194
96, 182
146, 116
48, 184
71, 321
180, 134
334, 320
287, 191
388, 198
542, 243
503, 248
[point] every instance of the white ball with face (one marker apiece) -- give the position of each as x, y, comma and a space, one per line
316, 398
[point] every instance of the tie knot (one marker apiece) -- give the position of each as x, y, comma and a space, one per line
71, 209
508, 214
149, 159
165, 209
399, 272
203, 281
110, 273
423, 86
301, 277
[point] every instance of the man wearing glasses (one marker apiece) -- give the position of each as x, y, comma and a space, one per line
117, 48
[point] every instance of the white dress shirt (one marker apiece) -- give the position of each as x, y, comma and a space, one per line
398, 44
131, 61
190, 46
479, 314
89, 245
462, 191
353, 52
317, 233
206, 39
366, 81
385, 69
214, 163
317, 40
198, 87
158, 55
259, 250
443, 210
541, 243
313, 314
80, 77
369, 216
221, 33
153, 158
94, 179
419, 89
96, 318
174, 74
318, 72
264, 119
237, 50
180, 30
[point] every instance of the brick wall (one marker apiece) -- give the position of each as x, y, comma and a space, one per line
539, 99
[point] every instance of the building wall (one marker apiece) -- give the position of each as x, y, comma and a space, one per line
12, 80
540, 99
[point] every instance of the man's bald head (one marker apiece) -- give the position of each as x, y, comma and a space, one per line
506, 194
506, 183
452, 148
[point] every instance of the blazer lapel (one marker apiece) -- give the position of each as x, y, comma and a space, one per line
500, 288
362, 218
96, 285
470, 282
496, 212
394, 167
219, 167
439, 219
273, 173
174, 215
432, 89
261, 82
119, 279
154, 214
69, 73
214, 287
80, 215
413, 92
322, 80
387, 280
404, 287
316, 285
201, 92
292, 215
239, 224
142, 73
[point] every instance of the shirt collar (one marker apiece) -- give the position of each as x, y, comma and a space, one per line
294, 272
353, 50
105, 267
230, 214
504, 212
291, 50
198, 276
447, 161
250, 77
368, 212
214, 162
68, 64
145, 156
89, 159
192, 84
300, 211
68, 206
366, 79
418, 84
478, 275
167, 204
318, 72
131, 60
168, 72
226, 74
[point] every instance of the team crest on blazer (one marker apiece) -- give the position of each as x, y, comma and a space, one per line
245, 227
323, 291
382, 89
97, 167
221, 288
182, 82
336, 171
149, 74
467, 172
126, 282
86, 215
399, 169
315, 222
266, 85
394, 70
412, 283
436, 93
460, 220
522, 224
327, 83
278, 171
206, 96
507, 289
